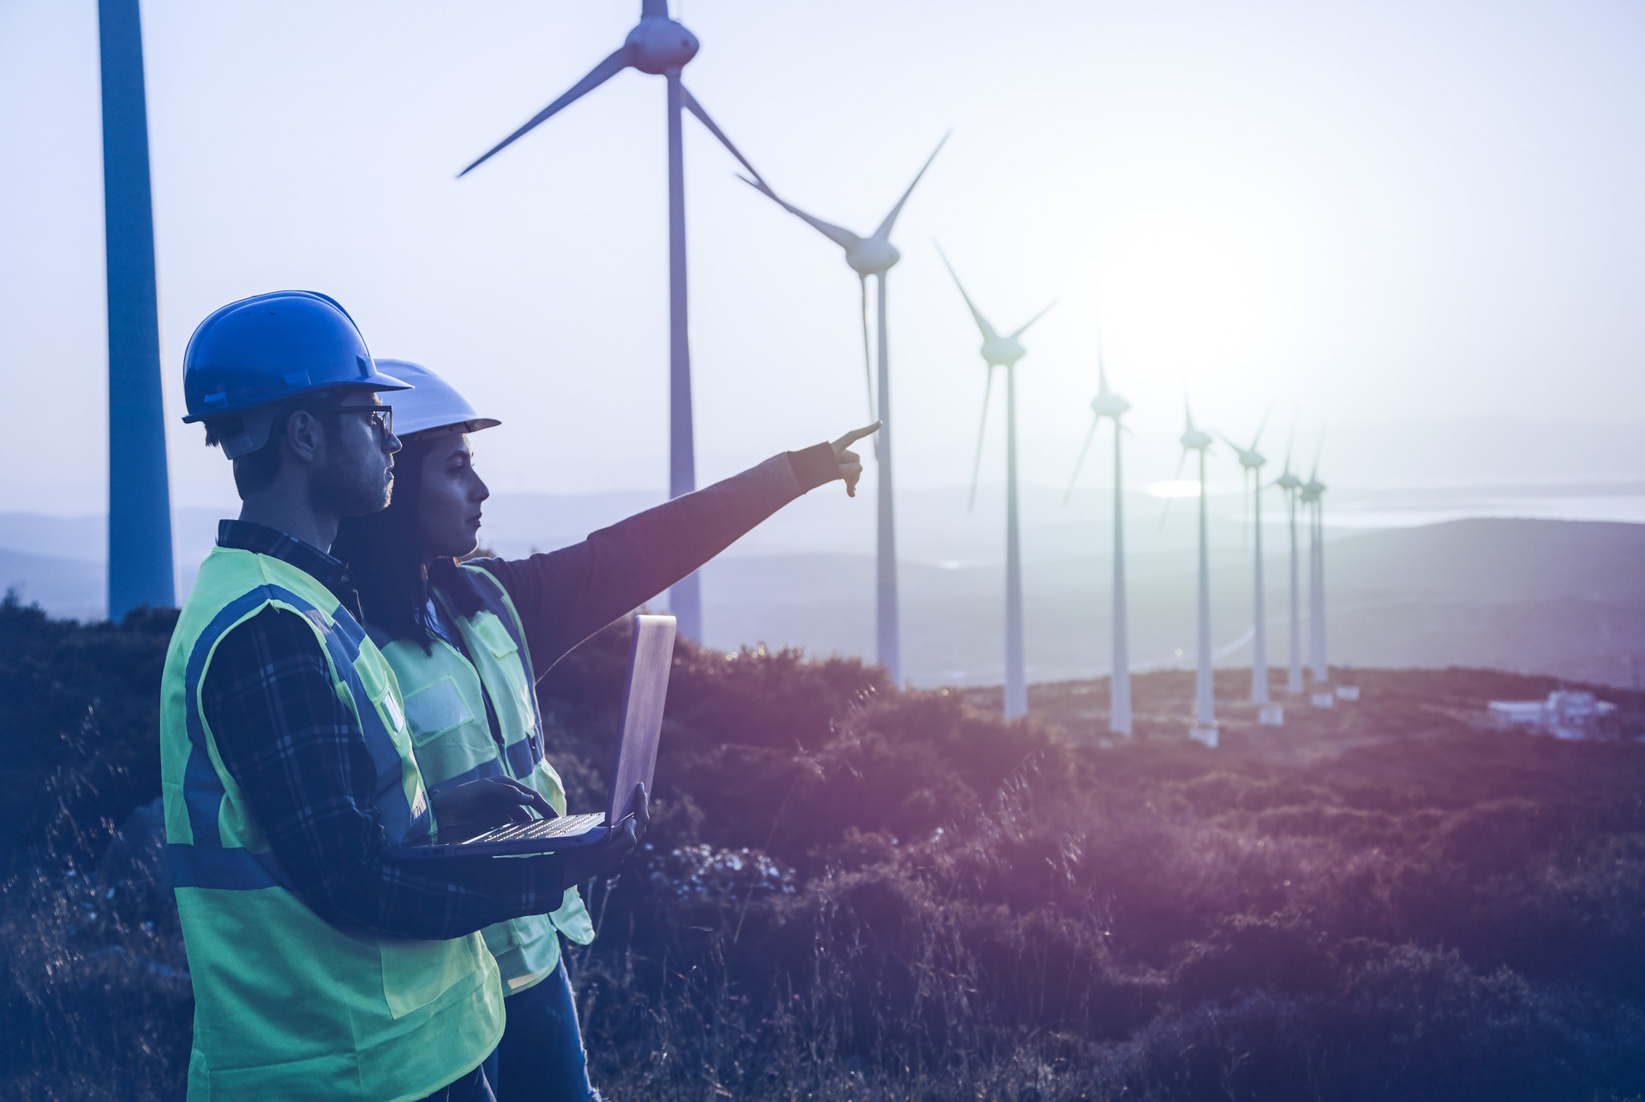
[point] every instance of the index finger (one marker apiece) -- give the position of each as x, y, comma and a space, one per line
857, 434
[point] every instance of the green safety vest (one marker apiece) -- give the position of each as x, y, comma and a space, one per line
286, 1005
445, 701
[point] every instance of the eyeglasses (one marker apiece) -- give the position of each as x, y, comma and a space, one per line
382, 417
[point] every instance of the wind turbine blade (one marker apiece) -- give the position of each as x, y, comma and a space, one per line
1080, 462
696, 108
604, 71
1221, 436
1166, 511
891, 219
1188, 415
1269, 412
976, 464
1102, 371
867, 361
988, 333
841, 236
1023, 328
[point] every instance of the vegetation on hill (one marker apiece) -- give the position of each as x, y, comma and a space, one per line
851, 892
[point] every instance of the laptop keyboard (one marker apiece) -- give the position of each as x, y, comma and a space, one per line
541, 828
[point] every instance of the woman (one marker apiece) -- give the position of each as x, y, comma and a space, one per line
468, 644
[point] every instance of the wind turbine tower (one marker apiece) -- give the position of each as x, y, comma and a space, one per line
1312, 496
1292, 485
874, 255
661, 47
1204, 728
1004, 351
1251, 462
1112, 406
139, 564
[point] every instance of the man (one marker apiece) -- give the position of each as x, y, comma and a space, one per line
325, 964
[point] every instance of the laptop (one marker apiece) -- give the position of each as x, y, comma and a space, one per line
639, 723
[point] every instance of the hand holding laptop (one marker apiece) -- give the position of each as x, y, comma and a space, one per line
585, 862
639, 725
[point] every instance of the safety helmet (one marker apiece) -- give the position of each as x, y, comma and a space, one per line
431, 403
249, 358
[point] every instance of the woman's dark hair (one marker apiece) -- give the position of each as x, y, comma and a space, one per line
384, 554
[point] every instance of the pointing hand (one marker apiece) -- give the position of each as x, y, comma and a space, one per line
850, 462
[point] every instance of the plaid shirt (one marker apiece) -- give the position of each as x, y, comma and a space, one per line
300, 759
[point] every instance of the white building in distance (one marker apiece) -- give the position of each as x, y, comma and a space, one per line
1567, 713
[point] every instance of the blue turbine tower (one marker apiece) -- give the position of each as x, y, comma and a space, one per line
139, 565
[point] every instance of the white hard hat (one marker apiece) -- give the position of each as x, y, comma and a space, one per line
431, 403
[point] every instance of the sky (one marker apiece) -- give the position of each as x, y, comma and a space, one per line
1398, 226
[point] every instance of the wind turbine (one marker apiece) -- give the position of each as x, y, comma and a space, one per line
1004, 351
1112, 406
661, 47
1312, 495
874, 255
1291, 484
1251, 462
1204, 728
139, 563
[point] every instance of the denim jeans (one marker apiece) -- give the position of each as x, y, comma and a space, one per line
541, 1057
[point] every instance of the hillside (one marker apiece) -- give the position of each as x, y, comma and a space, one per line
854, 893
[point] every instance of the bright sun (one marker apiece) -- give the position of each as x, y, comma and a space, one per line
1205, 281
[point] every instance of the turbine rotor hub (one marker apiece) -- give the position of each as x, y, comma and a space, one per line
660, 45
872, 256
1003, 351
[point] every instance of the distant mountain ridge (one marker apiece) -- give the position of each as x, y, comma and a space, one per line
1563, 598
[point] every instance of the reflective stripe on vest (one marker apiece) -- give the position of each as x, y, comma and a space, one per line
287, 1005
454, 743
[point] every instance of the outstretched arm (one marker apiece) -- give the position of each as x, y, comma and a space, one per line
565, 596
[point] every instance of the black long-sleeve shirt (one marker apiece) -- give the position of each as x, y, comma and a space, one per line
299, 755
565, 596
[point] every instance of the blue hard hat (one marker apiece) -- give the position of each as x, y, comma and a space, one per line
251, 356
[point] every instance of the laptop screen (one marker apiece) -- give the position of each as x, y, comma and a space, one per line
651, 657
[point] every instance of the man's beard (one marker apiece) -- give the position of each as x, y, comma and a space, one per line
355, 496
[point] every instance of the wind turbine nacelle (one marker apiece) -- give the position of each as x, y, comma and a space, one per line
1109, 405
657, 46
1003, 351
1194, 440
1252, 460
872, 256
1288, 482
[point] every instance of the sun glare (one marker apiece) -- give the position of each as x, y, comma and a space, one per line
1204, 278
